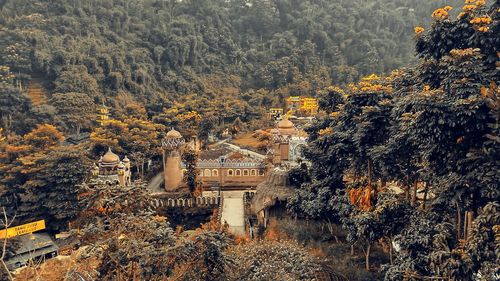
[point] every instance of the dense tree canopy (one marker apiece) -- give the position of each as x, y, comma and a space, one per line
155, 51
432, 130
41, 178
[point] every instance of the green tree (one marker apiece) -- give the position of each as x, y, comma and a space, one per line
206, 128
52, 187
75, 110
189, 157
76, 79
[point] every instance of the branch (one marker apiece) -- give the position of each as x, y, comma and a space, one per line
6, 223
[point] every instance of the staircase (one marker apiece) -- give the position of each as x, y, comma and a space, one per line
36, 92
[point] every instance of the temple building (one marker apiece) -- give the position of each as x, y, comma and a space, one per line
217, 168
287, 143
228, 169
110, 169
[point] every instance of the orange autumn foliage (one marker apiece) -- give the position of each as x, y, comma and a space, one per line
361, 197
44, 136
274, 233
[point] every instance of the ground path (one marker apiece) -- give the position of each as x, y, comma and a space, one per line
233, 211
154, 185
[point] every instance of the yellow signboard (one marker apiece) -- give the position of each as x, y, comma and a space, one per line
22, 229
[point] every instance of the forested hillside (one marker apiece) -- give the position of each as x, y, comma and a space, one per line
396, 177
156, 52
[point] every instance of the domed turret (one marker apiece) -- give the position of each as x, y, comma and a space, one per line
95, 170
173, 134
121, 168
286, 127
285, 124
173, 140
110, 158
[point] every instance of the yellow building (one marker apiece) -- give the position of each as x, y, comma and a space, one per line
305, 105
103, 114
275, 112
310, 105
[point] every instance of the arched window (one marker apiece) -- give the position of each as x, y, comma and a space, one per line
230, 172
253, 172
207, 173
201, 173
238, 173
215, 173
261, 173
245, 172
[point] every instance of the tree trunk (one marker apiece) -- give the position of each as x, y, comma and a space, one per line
407, 193
370, 172
426, 189
352, 249
142, 170
468, 224
390, 250
384, 183
78, 129
414, 194
465, 226
367, 257
471, 220
459, 223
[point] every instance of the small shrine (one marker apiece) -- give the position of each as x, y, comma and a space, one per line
113, 170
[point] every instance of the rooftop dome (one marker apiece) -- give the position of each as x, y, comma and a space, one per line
285, 124
173, 134
110, 158
126, 160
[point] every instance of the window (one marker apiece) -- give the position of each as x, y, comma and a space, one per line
230, 173
207, 173
245, 172
201, 173
261, 173
238, 173
215, 173
253, 172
